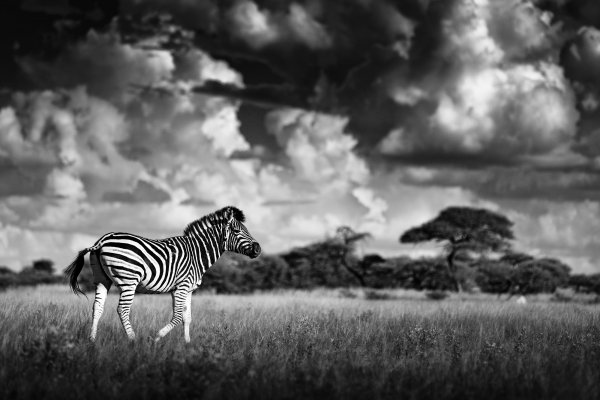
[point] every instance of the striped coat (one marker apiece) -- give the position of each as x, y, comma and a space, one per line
173, 265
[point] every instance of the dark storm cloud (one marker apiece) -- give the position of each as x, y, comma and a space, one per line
573, 12
297, 43
580, 58
463, 83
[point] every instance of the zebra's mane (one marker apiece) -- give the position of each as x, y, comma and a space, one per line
216, 217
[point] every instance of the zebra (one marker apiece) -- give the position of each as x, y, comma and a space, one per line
176, 265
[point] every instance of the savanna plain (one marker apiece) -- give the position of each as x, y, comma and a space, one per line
294, 345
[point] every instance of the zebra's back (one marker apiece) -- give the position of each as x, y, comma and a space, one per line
154, 266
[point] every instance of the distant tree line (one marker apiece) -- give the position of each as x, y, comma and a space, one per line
477, 256
40, 272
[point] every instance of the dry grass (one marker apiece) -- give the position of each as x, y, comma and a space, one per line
290, 345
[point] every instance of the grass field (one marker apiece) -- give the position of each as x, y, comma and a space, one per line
299, 345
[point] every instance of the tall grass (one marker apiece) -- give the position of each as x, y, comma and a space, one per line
294, 346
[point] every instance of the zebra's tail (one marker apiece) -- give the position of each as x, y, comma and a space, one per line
73, 270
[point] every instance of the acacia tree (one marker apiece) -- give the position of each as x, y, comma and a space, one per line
349, 239
464, 230
330, 262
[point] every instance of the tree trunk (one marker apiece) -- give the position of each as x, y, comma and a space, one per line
452, 270
358, 276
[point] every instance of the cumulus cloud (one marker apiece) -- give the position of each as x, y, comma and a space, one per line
198, 67
318, 148
580, 58
61, 183
376, 206
521, 29
486, 102
324, 162
20, 247
66, 137
567, 230
261, 27
526, 109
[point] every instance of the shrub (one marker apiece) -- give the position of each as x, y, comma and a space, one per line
378, 295
436, 295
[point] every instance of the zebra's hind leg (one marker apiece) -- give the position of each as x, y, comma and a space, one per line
98, 308
124, 308
179, 297
103, 284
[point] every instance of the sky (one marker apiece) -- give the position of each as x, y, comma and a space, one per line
143, 115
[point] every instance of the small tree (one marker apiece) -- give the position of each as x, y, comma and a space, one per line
349, 240
583, 283
6, 271
542, 275
535, 275
44, 265
494, 277
331, 262
463, 230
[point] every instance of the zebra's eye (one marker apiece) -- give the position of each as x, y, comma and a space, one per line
234, 230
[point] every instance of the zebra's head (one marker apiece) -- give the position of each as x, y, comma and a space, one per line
237, 237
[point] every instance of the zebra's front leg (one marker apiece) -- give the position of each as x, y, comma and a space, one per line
187, 317
179, 300
123, 309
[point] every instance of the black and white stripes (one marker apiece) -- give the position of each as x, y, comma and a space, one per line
175, 265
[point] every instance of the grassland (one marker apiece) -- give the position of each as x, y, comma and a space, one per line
299, 345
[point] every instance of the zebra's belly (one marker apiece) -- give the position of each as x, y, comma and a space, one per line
163, 285
145, 290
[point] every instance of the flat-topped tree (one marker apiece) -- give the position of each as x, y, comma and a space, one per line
464, 229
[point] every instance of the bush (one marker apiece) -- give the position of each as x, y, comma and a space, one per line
378, 295
436, 295
494, 277
31, 277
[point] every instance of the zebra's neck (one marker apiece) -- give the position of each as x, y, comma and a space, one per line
209, 242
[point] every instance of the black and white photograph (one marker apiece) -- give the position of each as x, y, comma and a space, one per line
300, 199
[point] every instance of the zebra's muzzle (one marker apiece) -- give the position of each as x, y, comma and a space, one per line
255, 250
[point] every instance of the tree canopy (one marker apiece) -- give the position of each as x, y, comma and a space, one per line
481, 228
464, 229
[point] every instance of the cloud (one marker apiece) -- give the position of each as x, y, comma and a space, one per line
521, 29
61, 183
20, 247
67, 137
520, 110
399, 28
318, 149
199, 67
457, 84
191, 14
567, 230
467, 36
261, 27
376, 206
103, 64
480, 99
